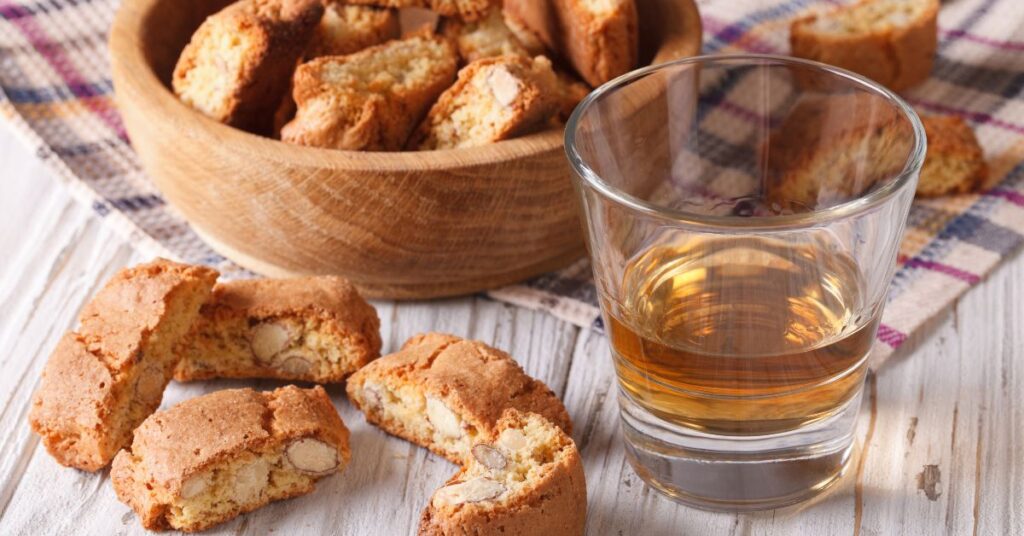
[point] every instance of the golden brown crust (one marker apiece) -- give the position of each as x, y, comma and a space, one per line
601, 46
553, 500
237, 66
370, 100
187, 439
106, 377
897, 55
475, 381
469, 10
337, 331
345, 29
485, 38
955, 163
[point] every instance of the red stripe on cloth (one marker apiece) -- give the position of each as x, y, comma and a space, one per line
994, 43
977, 117
946, 269
1016, 198
893, 337
54, 55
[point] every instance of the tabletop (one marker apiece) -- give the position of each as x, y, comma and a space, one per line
939, 444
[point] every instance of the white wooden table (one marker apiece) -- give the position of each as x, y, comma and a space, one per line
940, 447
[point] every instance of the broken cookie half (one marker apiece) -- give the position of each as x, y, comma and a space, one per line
445, 393
315, 329
211, 458
524, 477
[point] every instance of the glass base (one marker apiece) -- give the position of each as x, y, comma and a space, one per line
738, 473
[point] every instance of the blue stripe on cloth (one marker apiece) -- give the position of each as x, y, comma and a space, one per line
969, 22
732, 32
1004, 82
43, 95
136, 202
45, 6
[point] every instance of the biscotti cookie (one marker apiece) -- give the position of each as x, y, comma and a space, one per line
955, 163
444, 393
525, 477
570, 92
237, 66
370, 100
890, 41
209, 459
484, 38
462, 9
315, 329
494, 99
346, 29
105, 378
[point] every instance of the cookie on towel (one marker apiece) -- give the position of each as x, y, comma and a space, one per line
955, 163
211, 458
445, 393
315, 329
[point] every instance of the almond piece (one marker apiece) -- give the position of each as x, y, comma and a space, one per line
312, 456
149, 384
372, 397
503, 85
250, 481
489, 456
475, 490
295, 364
512, 439
444, 420
269, 339
194, 486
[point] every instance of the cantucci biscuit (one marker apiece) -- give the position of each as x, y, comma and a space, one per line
494, 99
462, 9
445, 393
890, 41
237, 66
524, 477
106, 377
315, 329
487, 37
345, 29
211, 458
370, 100
955, 163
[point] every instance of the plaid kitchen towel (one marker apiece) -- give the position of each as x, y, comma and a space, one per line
55, 91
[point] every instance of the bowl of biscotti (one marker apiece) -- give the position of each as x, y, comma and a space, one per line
411, 146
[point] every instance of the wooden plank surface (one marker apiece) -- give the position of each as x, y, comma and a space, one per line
938, 450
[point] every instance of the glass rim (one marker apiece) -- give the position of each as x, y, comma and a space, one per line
855, 206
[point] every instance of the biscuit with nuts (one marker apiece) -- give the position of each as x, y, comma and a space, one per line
315, 329
237, 66
955, 163
445, 393
106, 377
212, 458
345, 29
485, 38
462, 9
524, 477
494, 99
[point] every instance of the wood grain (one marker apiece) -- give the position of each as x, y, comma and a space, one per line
399, 225
949, 406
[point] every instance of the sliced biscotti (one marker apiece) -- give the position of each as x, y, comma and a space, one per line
461, 9
955, 163
494, 99
315, 329
370, 100
445, 393
106, 377
524, 477
487, 37
890, 41
237, 66
211, 458
345, 29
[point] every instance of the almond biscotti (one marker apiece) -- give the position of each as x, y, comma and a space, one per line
211, 458
314, 329
955, 163
487, 37
461, 9
106, 377
345, 29
445, 393
890, 41
494, 99
370, 100
237, 66
523, 477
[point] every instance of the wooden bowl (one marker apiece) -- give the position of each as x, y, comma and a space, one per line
399, 225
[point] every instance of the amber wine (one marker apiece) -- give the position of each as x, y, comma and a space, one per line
743, 336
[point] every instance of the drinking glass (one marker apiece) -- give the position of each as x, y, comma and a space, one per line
743, 214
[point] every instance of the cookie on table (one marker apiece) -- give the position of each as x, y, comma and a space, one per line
372, 99
462, 9
494, 99
890, 41
524, 477
345, 29
106, 377
445, 393
487, 37
315, 329
955, 163
237, 66
211, 458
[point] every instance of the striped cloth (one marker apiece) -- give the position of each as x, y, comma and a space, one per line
55, 91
